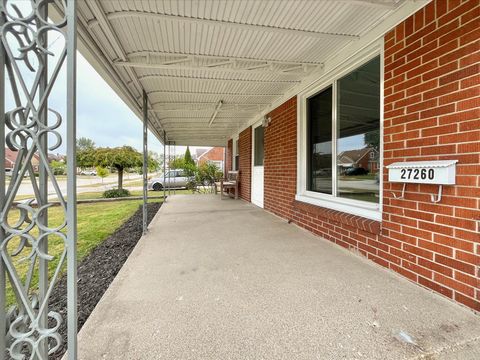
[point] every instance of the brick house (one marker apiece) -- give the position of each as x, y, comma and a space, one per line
214, 155
11, 158
416, 93
366, 158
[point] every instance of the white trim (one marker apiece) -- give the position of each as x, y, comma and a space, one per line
339, 205
252, 170
234, 151
356, 207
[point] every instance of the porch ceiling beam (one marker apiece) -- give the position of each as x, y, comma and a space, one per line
217, 58
212, 70
203, 78
212, 104
178, 119
191, 64
208, 93
206, 111
272, 29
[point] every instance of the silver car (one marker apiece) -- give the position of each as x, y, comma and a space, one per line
173, 179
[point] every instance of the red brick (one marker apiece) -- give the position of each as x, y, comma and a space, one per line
434, 286
460, 74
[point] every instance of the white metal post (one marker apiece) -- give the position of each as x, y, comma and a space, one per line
71, 38
164, 163
2, 194
169, 170
145, 161
43, 183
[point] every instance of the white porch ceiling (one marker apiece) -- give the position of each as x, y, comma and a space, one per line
190, 55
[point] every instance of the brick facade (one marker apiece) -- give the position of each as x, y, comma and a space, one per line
245, 162
280, 159
432, 112
432, 94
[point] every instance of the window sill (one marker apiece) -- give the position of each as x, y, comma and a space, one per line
357, 210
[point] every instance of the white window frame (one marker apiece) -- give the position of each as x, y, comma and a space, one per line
351, 206
234, 151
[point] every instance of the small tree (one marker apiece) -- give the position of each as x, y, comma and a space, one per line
102, 172
120, 158
207, 174
58, 167
188, 157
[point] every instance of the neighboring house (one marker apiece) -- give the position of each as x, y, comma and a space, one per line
214, 155
199, 152
366, 158
11, 159
56, 157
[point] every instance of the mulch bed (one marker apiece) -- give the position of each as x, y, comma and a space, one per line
97, 271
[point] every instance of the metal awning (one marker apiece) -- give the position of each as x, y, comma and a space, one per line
238, 57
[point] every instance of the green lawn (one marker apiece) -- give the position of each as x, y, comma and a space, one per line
370, 176
95, 223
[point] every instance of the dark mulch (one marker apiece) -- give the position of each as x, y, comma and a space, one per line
97, 270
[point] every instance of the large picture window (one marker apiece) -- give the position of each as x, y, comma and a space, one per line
342, 132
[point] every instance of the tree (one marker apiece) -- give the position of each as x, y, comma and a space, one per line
155, 161
102, 172
85, 158
120, 158
188, 157
58, 167
85, 152
84, 143
372, 139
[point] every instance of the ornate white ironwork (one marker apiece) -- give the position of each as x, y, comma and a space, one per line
32, 330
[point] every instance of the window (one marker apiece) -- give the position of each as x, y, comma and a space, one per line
236, 157
339, 165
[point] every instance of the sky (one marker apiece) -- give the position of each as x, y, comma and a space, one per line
101, 115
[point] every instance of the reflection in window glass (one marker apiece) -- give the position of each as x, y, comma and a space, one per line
319, 168
358, 129
258, 146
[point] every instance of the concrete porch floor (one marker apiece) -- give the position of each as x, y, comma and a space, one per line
226, 280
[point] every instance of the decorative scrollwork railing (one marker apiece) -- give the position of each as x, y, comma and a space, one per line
31, 329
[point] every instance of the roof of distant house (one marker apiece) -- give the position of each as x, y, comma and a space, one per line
355, 155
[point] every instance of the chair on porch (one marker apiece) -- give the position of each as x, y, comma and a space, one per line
230, 183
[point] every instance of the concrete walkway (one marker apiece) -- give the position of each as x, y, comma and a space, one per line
226, 280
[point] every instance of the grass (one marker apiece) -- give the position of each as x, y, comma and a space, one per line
95, 223
360, 195
370, 176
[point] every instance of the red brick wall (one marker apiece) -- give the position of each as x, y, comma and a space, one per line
280, 161
228, 156
245, 162
432, 89
432, 99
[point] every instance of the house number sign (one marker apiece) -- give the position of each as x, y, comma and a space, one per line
423, 172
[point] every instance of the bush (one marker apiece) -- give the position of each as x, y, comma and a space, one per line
116, 193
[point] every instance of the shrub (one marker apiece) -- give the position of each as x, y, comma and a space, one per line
116, 193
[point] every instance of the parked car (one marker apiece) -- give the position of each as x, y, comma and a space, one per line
356, 171
89, 172
173, 179
8, 172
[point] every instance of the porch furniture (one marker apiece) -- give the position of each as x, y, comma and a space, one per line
231, 182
